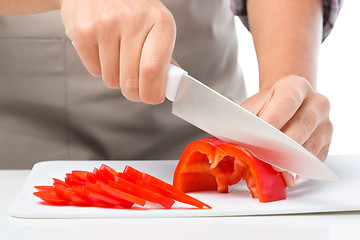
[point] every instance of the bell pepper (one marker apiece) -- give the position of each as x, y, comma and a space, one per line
212, 164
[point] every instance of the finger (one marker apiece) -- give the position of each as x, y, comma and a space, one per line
290, 179
287, 96
320, 138
256, 103
130, 54
109, 51
312, 112
89, 55
323, 153
154, 63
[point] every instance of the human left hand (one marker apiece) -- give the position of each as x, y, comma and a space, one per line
294, 107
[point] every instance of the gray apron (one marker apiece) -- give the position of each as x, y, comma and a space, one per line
51, 108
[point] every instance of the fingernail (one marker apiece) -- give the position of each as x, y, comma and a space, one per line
289, 179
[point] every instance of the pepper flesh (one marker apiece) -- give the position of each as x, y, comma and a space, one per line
212, 164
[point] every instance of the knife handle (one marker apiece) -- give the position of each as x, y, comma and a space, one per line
173, 81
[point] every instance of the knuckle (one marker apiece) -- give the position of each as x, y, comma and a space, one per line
303, 83
127, 11
133, 16
309, 122
130, 88
323, 153
323, 101
83, 33
165, 19
151, 70
329, 128
106, 22
291, 98
163, 16
311, 146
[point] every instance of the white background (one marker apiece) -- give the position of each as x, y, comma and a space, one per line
338, 75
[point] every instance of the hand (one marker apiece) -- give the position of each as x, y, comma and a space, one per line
128, 43
292, 106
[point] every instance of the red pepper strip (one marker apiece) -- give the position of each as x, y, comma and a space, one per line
172, 192
84, 176
60, 182
113, 192
66, 193
99, 195
125, 177
50, 196
80, 192
108, 172
44, 188
210, 164
143, 193
165, 188
72, 181
124, 186
97, 198
133, 173
100, 175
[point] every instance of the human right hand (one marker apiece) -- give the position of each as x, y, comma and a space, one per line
129, 43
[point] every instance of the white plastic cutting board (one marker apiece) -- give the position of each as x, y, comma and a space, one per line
307, 197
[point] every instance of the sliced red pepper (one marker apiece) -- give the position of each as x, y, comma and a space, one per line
172, 192
97, 198
66, 192
44, 188
50, 196
84, 176
98, 195
72, 181
108, 172
100, 175
107, 187
143, 193
116, 193
133, 173
126, 177
60, 182
81, 193
212, 164
164, 188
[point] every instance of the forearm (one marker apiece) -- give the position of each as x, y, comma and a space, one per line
27, 6
287, 36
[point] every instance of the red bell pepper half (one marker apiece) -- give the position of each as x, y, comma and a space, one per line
212, 164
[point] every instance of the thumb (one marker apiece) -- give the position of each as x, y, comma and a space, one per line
256, 103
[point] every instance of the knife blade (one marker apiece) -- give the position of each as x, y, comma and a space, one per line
215, 114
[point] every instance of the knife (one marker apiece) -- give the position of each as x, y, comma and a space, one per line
215, 114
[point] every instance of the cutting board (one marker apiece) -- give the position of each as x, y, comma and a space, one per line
309, 196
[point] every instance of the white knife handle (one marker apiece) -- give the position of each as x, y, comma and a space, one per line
173, 81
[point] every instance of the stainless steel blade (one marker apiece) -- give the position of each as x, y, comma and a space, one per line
210, 111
